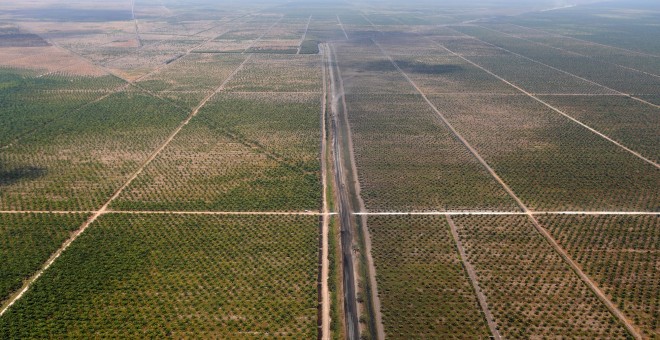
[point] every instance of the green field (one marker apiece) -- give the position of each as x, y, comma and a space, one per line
27, 241
424, 289
621, 254
244, 152
530, 290
178, 276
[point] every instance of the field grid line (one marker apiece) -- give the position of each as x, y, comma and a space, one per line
333, 213
302, 39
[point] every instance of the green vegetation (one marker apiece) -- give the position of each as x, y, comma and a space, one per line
531, 291
278, 73
28, 102
27, 241
622, 254
423, 288
309, 47
632, 123
408, 161
243, 152
550, 162
78, 161
135, 276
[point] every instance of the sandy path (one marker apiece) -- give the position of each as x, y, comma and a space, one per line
371, 268
302, 39
576, 268
474, 280
135, 21
342, 27
325, 263
104, 209
314, 213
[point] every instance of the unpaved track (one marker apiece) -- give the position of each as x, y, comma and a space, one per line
343, 204
175, 212
356, 195
576, 268
104, 209
325, 263
496, 213
135, 21
314, 213
635, 153
302, 39
474, 280
342, 27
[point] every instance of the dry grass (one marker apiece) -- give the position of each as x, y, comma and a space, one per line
47, 60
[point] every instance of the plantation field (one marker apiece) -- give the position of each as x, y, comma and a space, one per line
623, 25
27, 241
621, 253
188, 80
530, 290
549, 161
472, 169
278, 73
615, 77
78, 161
408, 161
22, 107
243, 152
602, 53
179, 276
424, 289
634, 124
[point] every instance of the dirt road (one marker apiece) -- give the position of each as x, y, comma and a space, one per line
343, 202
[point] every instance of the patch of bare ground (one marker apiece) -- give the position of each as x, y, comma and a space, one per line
47, 60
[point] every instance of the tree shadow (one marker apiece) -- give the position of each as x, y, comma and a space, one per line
409, 67
11, 176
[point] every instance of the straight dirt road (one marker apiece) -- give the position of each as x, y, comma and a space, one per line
344, 202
